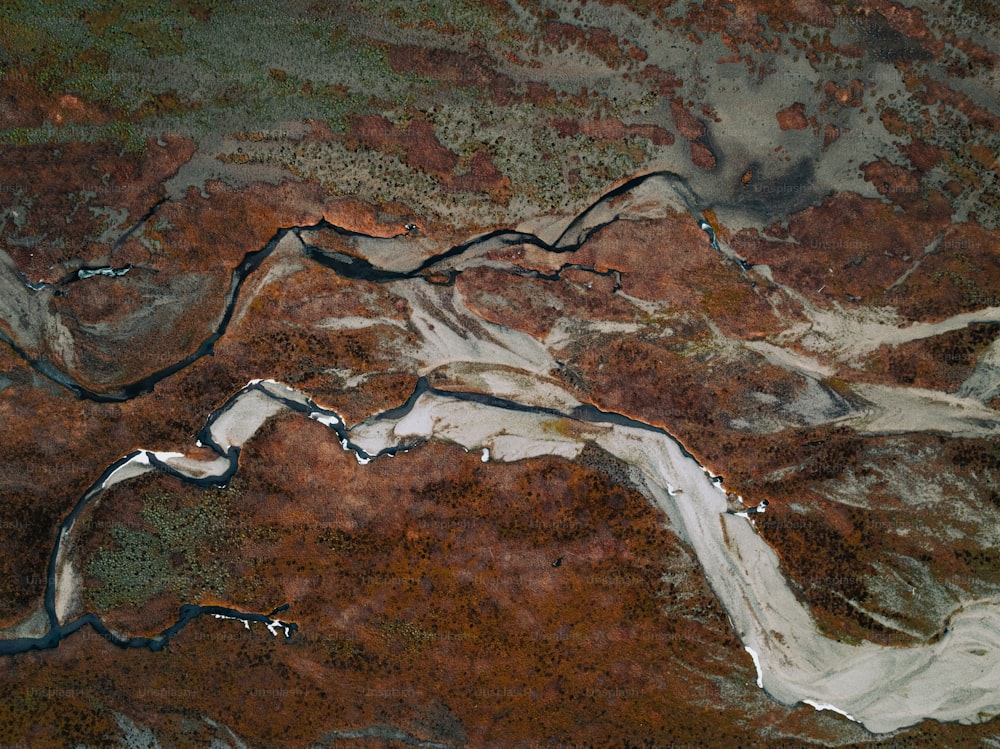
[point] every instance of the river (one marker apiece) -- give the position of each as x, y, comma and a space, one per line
508, 417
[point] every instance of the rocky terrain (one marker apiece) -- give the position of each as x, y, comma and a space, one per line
511, 282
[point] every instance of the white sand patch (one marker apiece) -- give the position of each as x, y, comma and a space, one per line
371, 436
897, 409
851, 335
199, 469
330, 420
166, 457
356, 323
246, 622
884, 688
510, 384
509, 435
68, 598
568, 330
790, 360
237, 425
276, 625
450, 333
827, 706
756, 665
136, 466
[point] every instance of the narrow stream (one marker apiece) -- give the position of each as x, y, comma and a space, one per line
663, 184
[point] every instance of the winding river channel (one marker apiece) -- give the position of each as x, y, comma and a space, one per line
509, 418
884, 688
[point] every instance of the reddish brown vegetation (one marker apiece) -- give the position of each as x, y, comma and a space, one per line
613, 129
694, 130
849, 95
908, 21
793, 117
702, 156
669, 260
743, 22
534, 305
687, 124
417, 145
45, 475
853, 249
279, 338
666, 82
940, 363
898, 184
429, 586
893, 121
482, 175
934, 91
452, 68
24, 104
202, 240
599, 42
668, 384
922, 155
962, 275
56, 182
